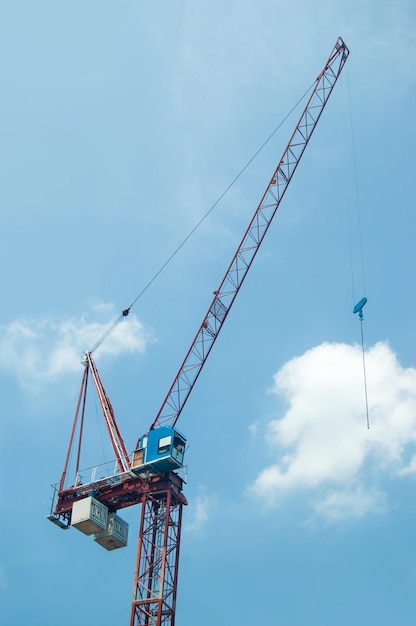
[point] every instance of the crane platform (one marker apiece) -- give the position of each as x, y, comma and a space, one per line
116, 492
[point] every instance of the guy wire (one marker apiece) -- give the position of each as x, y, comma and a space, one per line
126, 311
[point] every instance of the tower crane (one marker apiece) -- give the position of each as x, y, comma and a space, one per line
150, 476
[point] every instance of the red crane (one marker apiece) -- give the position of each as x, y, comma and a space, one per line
148, 476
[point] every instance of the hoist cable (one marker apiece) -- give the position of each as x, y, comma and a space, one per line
358, 308
365, 375
348, 207
357, 197
126, 311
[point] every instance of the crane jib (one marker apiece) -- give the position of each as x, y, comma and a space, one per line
224, 296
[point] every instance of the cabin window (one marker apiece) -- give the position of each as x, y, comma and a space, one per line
178, 450
164, 444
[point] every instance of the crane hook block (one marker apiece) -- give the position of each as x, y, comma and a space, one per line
359, 307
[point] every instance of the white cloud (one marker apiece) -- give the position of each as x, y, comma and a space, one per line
355, 501
42, 350
322, 443
199, 512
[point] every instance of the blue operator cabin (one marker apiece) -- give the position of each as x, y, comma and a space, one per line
160, 451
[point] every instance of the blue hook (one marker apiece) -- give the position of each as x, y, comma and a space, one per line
359, 308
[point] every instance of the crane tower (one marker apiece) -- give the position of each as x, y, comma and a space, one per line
150, 475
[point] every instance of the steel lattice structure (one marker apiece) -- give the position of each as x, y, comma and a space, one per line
156, 575
225, 295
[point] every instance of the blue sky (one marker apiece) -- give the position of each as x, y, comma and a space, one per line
121, 124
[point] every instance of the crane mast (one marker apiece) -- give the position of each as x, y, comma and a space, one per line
149, 476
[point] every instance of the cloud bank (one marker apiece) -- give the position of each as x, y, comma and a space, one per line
38, 351
322, 445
